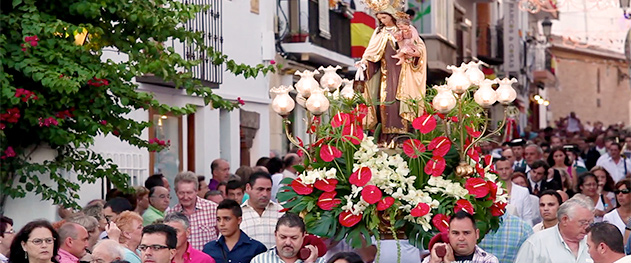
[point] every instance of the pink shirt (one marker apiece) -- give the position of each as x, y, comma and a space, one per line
194, 256
65, 257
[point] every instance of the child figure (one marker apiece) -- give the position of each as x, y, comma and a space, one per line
406, 38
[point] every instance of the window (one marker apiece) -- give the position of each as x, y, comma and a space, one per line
444, 18
166, 128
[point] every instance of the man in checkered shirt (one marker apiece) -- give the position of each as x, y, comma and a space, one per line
259, 213
200, 212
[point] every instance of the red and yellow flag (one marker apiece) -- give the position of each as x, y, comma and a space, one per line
362, 26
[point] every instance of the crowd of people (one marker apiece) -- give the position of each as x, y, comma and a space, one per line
569, 202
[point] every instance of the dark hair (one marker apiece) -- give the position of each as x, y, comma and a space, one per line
214, 164
463, 215
538, 164
244, 172
350, 257
120, 261
233, 184
211, 193
290, 220
154, 180
201, 178
262, 161
4, 224
616, 144
381, 25
622, 182
17, 254
289, 160
582, 178
119, 205
550, 160
258, 175
552, 193
232, 205
609, 183
274, 165
168, 231
609, 234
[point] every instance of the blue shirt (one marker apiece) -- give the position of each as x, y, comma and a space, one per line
505, 242
242, 252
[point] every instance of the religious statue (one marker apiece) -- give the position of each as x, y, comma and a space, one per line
395, 90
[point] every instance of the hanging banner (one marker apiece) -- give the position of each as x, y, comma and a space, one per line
512, 47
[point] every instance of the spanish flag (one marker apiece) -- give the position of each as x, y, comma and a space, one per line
362, 26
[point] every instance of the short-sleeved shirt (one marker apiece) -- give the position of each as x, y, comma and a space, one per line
505, 242
131, 256
547, 246
261, 227
151, 215
195, 256
243, 251
271, 256
203, 222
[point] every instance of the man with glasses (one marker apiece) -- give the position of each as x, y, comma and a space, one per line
6, 237
159, 200
158, 243
184, 252
201, 213
74, 242
565, 242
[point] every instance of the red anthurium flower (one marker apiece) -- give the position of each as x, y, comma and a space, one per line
479, 169
477, 187
353, 133
300, 152
413, 148
340, 119
371, 194
319, 142
420, 210
441, 222
300, 187
440, 115
360, 177
385, 203
454, 118
464, 204
283, 210
473, 154
440, 146
347, 219
472, 132
425, 123
327, 185
488, 159
327, 201
492, 190
329, 152
359, 112
498, 209
435, 166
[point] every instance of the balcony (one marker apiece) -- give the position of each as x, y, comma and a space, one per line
208, 22
543, 68
310, 38
490, 44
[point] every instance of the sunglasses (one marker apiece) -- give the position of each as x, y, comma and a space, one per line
624, 191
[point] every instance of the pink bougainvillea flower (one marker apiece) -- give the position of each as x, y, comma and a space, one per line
48, 122
472, 132
301, 188
329, 152
25, 95
272, 62
498, 209
103, 122
96, 82
413, 148
464, 204
440, 146
420, 210
327, 185
64, 114
492, 190
327, 201
12, 115
425, 123
385, 203
371, 194
340, 119
477, 187
435, 166
360, 177
240, 101
441, 222
9, 152
347, 219
353, 133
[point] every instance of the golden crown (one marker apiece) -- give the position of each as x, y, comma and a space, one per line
388, 6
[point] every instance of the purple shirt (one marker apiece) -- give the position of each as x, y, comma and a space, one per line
194, 256
213, 184
65, 257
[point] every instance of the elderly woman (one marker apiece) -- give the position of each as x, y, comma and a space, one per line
130, 225
6, 237
37, 242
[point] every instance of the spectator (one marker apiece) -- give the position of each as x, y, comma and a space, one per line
184, 252
203, 186
560, 160
220, 170
289, 161
90, 224
463, 235
244, 173
214, 195
519, 196
520, 179
36, 242
201, 213
588, 185
622, 214
538, 178
345, 257
107, 251
605, 183
158, 243
567, 183
549, 202
74, 242
508, 154
262, 161
605, 244
130, 225
289, 235
234, 191
275, 168
517, 146
142, 199
532, 153
505, 242
260, 214
159, 199
233, 245
617, 166
564, 242
6, 237
96, 210
157, 180
115, 207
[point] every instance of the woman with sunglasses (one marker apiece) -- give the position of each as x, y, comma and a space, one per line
37, 242
622, 214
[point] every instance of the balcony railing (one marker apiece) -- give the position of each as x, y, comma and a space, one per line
490, 44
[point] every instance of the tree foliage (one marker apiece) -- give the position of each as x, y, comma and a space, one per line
60, 93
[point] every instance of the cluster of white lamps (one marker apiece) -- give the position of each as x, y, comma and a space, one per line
540, 100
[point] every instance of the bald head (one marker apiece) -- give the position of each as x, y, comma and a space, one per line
107, 250
290, 160
74, 239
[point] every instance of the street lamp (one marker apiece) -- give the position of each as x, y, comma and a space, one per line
624, 4
546, 24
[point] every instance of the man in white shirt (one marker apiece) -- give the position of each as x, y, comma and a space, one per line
289, 161
617, 166
565, 242
260, 214
605, 244
519, 196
